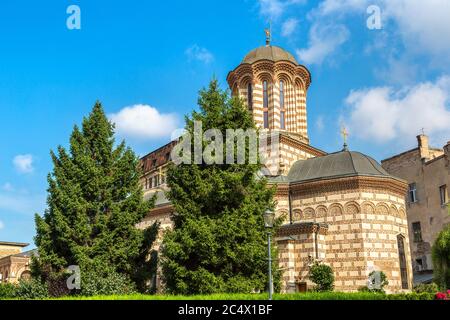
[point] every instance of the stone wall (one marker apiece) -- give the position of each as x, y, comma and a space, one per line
363, 229
428, 169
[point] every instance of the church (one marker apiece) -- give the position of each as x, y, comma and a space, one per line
342, 209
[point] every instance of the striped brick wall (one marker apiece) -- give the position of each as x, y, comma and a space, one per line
295, 86
362, 236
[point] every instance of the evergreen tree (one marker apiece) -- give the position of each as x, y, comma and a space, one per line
441, 259
218, 243
94, 202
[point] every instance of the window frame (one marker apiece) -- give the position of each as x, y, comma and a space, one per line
266, 104
443, 194
412, 193
250, 95
417, 231
282, 106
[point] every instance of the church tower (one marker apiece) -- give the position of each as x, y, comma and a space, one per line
275, 86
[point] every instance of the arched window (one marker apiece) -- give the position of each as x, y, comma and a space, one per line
250, 96
282, 111
402, 260
266, 104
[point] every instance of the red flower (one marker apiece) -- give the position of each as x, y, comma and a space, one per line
441, 296
448, 293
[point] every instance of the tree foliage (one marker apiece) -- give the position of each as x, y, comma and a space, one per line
218, 243
94, 202
322, 275
441, 259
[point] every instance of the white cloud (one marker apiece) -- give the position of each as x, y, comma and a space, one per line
23, 163
8, 187
200, 54
383, 114
274, 9
143, 122
320, 123
2, 225
16, 202
335, 7
420, 27
289, 27
424, 26
323, 41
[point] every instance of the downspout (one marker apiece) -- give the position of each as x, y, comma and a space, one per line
290, 205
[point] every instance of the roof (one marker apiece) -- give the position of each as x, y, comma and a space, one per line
14, 244
27, 254
272, 53
336, 165
426, 277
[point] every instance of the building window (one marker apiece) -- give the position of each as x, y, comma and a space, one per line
266, 104
419, 265
412, 193
282, 115
402, 260
443, 194
250, 96
417, 232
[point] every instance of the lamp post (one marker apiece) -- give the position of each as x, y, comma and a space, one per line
269, 217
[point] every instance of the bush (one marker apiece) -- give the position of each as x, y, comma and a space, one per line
7, 290
93, 284
441, 259
411, 296
31, 289
377, 281
426, 288
322, 275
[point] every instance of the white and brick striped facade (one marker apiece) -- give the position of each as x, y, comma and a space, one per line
296, 80
352, 224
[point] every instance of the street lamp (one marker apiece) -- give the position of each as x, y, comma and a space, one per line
269, 218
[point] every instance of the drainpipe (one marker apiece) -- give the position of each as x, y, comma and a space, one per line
290, 205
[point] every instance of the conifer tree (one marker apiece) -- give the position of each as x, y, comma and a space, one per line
218, 243
94, 202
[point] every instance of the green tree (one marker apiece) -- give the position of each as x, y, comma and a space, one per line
94, 202
218, 243
441, 259
322, 275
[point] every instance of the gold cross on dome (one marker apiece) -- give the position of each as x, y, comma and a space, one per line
345, 135
268, 33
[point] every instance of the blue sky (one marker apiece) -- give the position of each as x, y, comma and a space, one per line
145, 61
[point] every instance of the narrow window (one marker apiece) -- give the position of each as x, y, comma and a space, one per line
250, 96
266, 105
417, 232
402, 260
412, 193
282, 117
443, 194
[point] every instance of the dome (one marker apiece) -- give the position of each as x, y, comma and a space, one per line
272, 53
336, 165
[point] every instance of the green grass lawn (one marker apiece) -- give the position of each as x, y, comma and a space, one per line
296, 296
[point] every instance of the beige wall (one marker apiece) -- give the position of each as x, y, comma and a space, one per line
428, 169
362, 237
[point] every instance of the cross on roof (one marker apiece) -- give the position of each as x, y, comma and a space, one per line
345, 135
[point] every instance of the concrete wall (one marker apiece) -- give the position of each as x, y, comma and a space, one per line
428, 169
